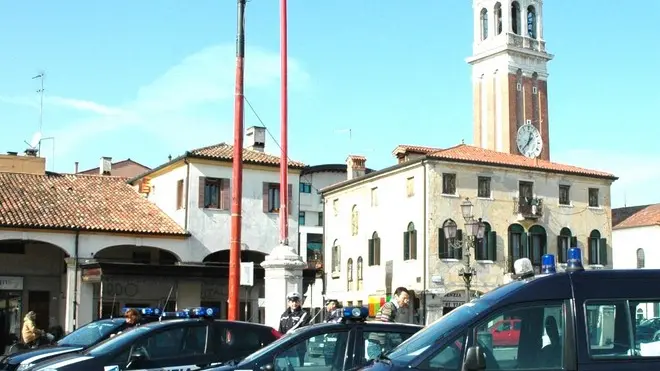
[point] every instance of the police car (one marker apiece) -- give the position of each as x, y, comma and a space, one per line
189, 340
80, 339
587, 316
347, 344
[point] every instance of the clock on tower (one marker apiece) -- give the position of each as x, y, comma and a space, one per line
509, 73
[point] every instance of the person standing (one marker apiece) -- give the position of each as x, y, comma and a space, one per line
295, 317
389, 310
334, 310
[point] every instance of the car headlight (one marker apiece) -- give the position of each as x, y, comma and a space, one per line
24, 366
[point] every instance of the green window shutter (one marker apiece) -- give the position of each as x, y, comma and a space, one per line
406, 246
491, 253
560, 251
603, 251
442, 250
372, 254
413, 244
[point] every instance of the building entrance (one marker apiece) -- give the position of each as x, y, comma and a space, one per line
10, 317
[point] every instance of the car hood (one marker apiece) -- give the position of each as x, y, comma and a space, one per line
39, 353
62, 361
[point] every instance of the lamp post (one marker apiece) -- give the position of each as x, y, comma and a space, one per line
475, 229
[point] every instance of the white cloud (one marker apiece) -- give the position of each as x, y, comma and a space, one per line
172, 99
638, 175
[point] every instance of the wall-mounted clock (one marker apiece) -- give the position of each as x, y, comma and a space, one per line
530, 143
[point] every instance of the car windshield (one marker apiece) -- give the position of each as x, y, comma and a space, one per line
117, 342
457, 318
91, 333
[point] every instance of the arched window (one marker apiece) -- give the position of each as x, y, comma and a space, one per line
349, 274
484, 24
359, 273
446, 246
597, 248
336, 257
498, 18
374, 249
515, 17
410, 242
565, 240
354, 221
531, 22
486, 247
538, 245
517, 244
640, 259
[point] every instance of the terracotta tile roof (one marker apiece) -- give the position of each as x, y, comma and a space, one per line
223, 151
477, 155
406, 148
636, 216
86, 202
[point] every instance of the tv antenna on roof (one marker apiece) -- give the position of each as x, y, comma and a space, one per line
40, 76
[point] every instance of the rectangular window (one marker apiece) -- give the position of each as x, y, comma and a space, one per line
305, 188
564, 194
180, 204
449, 184
593, 197
374, 196
335, 206
271, 198
410, 187
616, 326
320, 221
483, 184
301, 218
215, 193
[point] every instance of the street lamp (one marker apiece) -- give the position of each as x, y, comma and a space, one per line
474, 230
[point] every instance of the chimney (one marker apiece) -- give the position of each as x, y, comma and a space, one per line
12, 153
355, 166
75, 167
256, 138
105, 168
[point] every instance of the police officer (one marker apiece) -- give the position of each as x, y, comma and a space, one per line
292, 318
334, 310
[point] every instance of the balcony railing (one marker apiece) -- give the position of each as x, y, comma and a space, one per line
529, 208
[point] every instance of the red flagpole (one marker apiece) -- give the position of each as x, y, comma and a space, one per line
237, 173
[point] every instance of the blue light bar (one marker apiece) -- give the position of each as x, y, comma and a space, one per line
145, 312
574, 261
548, 264
355, 313
206, 312
179, 314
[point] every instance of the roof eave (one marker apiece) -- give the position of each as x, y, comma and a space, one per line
84, 229
523, 167
202, 157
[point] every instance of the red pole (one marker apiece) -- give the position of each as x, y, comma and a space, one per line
237, 173
284, 137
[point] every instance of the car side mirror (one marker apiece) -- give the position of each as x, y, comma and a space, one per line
475, 359
267, 367
136, 359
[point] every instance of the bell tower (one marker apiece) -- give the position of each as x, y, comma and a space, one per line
509, 73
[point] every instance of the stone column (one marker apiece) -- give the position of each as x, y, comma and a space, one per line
283, 275
70, 306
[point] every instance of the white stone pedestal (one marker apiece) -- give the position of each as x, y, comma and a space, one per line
283, 275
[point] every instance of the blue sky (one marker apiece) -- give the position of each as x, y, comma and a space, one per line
145, 79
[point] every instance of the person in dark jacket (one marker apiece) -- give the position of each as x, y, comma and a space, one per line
389, 310
292, 318
334, 310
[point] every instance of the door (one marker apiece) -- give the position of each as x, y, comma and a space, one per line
39, 303
10, 318
374, 340
525, 192
183, 346
315, 352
